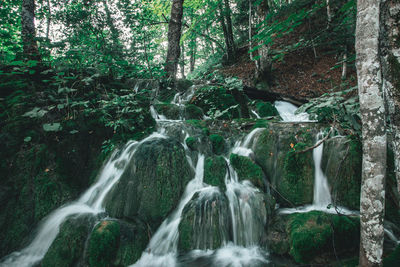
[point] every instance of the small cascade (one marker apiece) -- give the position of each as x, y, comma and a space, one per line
90, 202
287, 111
155, 115
243, 147
255, 114
322, 194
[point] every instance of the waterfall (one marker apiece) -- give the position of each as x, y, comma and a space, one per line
322, 194
287, 112
90, 202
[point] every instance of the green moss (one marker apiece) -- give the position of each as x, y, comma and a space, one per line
103, 243
68, 247
311, 234
298, 180
168, 110
217, 143
266, 109
193, 112
215, 171
191, 142
393, 259
247, 170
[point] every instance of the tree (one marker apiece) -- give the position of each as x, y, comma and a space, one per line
390, 59
174, 36
28, 30
372, 109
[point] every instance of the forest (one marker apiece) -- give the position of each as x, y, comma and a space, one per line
222, 133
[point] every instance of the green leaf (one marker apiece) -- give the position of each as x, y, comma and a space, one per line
52, 127
27, 139
73, 132
35, 113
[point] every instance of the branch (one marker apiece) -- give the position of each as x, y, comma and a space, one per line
317, 144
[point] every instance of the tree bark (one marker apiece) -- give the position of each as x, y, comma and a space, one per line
372, 109
264, 63
229, 47
28, 30
174, 36
229, 26
390, 60
182, 61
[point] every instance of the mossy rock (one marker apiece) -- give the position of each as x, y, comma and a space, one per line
215, 171
313, 233
341, 163
183, 85
67, 249
297, 184
192, 143
205, 221
290, 173
170, 111
151, 186
217, 143
193, 112
393, 259
213, 99
103, 243
248, 170
266, 109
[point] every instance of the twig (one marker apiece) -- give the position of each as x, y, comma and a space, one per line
317, 144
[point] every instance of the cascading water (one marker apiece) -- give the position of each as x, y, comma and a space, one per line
90, 202
287, 112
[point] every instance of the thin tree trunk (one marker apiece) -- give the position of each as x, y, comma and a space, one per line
28, 30
264, 63
372, 109
182, 61
390, 58
250, 30
48, 20
229, 48
229, 26
192, 53
174, 36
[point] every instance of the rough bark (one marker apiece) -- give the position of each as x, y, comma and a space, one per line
174, 36
229, 26
28, 30
228, 44
372, 201
264, 63
390, 60
182, 61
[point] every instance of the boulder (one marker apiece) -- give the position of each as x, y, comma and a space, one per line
215, 171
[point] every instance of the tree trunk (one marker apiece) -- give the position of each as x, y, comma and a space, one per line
28, 30
192, 54
372, 202
229, 48
182, 61
264, 63
390, 60
174, 36
229, 26
48, 20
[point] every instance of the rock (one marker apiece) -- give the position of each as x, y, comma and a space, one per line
248, 170
170, 111
290, 173
341, 163
103, 243
215, 171
67, 249
218, 144
266, 109
193, 112
150, 188
313, 233
205, 221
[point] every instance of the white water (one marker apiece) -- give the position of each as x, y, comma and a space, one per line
90, 202
287, 112
322, 194
243, 147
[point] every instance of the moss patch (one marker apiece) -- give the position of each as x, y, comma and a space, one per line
248, 170
266, 109
218, 144
193, 112
312, 234
215, 171
103, 244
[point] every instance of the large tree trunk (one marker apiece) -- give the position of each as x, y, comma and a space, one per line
174, 36
390, 60
372, 109
28, 30
229, 26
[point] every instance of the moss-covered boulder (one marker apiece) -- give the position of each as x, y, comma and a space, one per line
289, 172
170, 111
215, 171
67, 249
217, 101
248, 170
266, 109
205, 221
217, 143
341, 163
314, 233
103, 243
152, 184
193, 112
